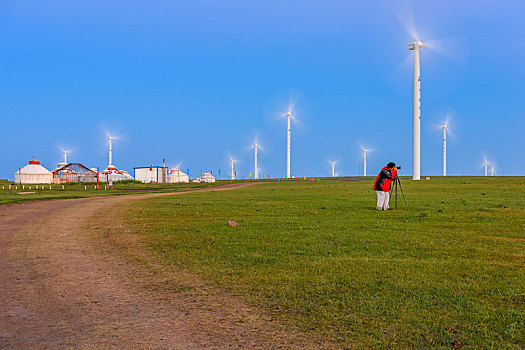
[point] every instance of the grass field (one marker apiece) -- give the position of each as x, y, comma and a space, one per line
317, 256
79, 190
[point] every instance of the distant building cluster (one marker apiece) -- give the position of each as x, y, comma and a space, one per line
35, 173
160, 174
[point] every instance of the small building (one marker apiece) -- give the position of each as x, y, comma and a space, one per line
74, 172
175, 176
207, 177
113, 174
151, 174
33, 173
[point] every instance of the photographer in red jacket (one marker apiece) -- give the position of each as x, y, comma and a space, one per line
382, 185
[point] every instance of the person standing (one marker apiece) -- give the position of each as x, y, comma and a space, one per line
382, 185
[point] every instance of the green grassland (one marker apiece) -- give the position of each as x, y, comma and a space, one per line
319, 257
82, 190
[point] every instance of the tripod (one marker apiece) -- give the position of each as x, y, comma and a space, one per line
394, 190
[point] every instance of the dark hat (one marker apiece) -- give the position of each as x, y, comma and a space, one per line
391, 165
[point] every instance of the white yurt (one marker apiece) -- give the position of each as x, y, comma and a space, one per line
114, 174
175, 176
207, 177
33, 173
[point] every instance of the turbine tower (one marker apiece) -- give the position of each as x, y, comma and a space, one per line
233, 174
416, 156
491, 171
364, 162
333, 168
255, 168
64, 163
110, 164
444, 150
288, 115
486, 164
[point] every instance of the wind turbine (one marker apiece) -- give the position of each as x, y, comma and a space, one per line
255, 168
289, 115
288, 141
492, 171
64, 163
485, 163
256, 148
444, 126
232, 161
453, 48
416, 155
333, 163
110, 164
364, 160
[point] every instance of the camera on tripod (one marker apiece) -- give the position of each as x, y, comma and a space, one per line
395, 183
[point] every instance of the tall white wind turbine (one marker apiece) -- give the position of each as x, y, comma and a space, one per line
255, 168
256, 146
485, 163
333, 168
416, 155
110, 156
232, 161
290, 117
444, 149
364, 161
288, 142
110, 163
452, 48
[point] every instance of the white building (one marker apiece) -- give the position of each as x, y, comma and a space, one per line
33, 173
207, 177
113, 174
175, 176
151, 174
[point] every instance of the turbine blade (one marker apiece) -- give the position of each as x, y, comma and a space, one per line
399, 73
455, 48
297, 122
293, 99
405, 15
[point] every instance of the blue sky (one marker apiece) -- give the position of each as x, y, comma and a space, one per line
196, 81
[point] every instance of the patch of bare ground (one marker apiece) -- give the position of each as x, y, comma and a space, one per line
509, 239
68, 283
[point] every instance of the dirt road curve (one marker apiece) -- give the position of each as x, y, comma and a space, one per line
58, 291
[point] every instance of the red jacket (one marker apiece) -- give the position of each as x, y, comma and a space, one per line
384, 179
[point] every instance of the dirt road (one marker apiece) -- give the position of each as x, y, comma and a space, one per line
58, 290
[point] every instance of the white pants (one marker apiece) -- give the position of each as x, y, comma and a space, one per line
383, 198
